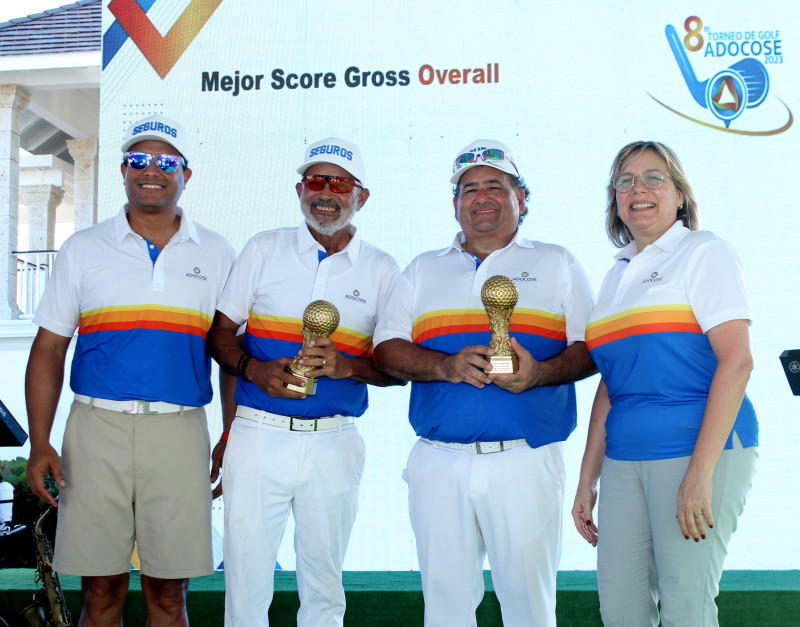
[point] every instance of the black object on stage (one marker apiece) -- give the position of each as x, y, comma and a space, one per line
791, 366
11, 434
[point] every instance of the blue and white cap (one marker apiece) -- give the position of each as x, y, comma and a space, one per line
161, 129
337, 151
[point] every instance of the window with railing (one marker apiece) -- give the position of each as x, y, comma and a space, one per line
33, 271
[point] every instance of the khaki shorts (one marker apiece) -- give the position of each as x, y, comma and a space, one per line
139, 477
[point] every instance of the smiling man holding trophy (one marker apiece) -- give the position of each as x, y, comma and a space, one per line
487, 474
310, 297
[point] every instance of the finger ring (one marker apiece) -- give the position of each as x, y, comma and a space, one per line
700, 516
324, 362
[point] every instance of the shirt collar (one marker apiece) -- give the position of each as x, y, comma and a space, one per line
458, 243
669, 241
306, 241
186, 230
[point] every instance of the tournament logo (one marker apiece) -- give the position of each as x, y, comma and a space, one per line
162, 52
729, 92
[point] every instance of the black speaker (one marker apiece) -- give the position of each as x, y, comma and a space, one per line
11, 434
791, 366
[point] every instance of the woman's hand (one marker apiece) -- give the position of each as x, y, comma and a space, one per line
585, 499
694, 504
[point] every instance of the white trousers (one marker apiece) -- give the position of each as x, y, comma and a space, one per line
267, 471
509, 505
642, 556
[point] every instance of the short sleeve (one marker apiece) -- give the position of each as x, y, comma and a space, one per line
59, 310
716, 286
579, 301
396, 321
238, 295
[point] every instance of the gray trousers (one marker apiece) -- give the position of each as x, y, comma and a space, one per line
642, 556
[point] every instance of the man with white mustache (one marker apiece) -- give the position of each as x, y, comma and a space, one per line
286, 450
486, 476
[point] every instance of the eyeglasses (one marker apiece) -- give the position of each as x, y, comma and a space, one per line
141, 160
489, 154
338, 184
651, 179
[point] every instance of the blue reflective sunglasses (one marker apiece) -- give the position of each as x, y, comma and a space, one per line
141, 160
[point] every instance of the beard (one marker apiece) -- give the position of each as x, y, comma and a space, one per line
325, 227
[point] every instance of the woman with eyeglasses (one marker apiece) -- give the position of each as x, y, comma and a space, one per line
672, 432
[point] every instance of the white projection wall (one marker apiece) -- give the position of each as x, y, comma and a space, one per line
565, 85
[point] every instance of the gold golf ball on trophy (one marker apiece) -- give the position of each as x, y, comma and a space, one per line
320, 319
499, 296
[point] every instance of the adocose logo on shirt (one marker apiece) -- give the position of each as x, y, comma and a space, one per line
524, 277
356, 296
654, 278
196, 274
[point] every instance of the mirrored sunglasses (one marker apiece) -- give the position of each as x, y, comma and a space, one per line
141, 160
490, 154
338, 184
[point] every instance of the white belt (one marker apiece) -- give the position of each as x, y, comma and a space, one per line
481, 447
293, 423
133, 407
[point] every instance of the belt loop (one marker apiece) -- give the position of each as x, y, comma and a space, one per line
339, 423
261, 419
180, 411
91, 403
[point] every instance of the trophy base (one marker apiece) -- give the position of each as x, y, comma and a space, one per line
310, 386
504, 364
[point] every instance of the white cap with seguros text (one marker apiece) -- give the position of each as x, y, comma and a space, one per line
161, 129
336, 151
488, 152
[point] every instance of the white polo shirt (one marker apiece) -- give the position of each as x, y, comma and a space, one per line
141, 323
647, 337
277, 275
437, 304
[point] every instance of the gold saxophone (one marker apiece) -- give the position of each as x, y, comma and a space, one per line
48, 608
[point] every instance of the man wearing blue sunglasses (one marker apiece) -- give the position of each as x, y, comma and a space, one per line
141, 288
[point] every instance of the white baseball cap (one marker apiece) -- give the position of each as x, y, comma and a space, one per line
336, 151
161, 129
489, 152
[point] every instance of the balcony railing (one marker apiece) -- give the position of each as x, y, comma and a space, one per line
33, 271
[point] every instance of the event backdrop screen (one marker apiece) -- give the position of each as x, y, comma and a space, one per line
564, 84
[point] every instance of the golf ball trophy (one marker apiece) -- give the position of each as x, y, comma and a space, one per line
499, 296
320, 319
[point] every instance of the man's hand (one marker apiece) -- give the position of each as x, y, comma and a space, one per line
468, 365
326, 358
40, 463
525, 378
272, 377
571, 364
217, 456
